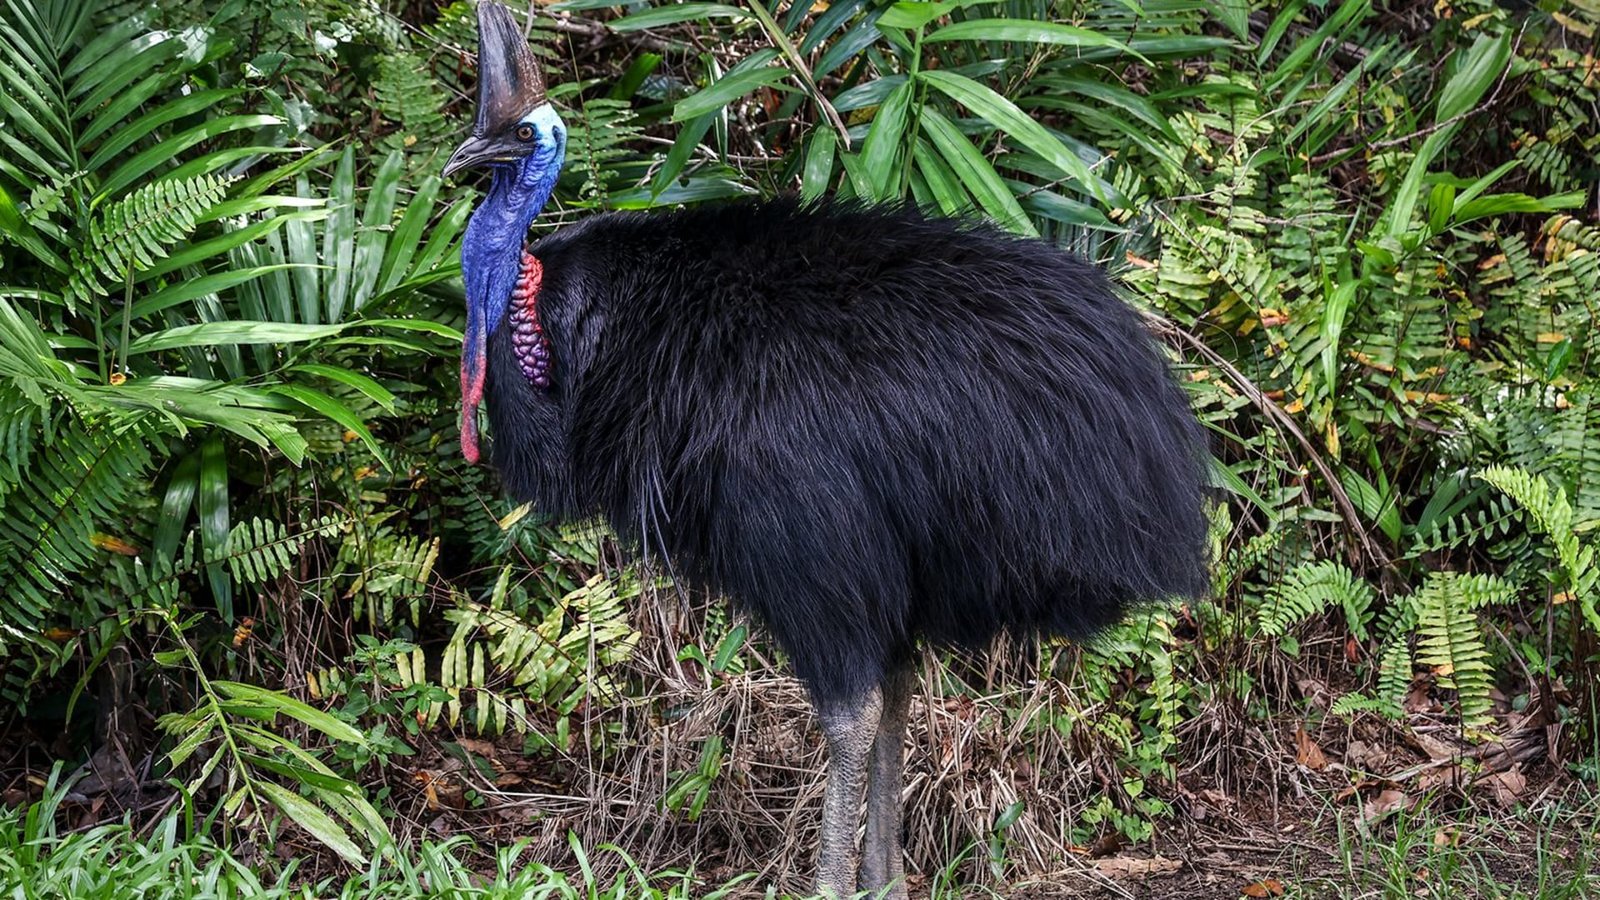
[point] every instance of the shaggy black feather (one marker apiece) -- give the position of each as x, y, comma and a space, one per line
864, 425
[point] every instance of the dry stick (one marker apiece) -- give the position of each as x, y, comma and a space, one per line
1347, 509
1385, 144
597, 31
770, 25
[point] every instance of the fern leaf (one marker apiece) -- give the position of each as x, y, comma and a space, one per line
1310, 588
1451, 640
132, 234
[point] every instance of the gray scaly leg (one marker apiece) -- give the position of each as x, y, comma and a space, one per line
882, 860
849, 727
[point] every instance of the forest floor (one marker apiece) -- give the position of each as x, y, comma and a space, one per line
1259, 809
1537, 840
1546, 851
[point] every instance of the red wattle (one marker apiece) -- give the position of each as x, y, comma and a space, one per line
472, 365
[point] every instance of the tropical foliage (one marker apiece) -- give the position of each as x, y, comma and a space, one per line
230, 490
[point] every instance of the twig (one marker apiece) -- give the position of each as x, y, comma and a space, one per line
1341, 499
1371, 146
787, 48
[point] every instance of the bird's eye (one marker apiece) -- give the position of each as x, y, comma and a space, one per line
525, 133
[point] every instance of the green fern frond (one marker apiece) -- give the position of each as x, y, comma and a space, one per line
1451, 640
78, 484
497, 662
1547, 506
1394, 680
260, 550
1310, 588
597, 139
130, 235
408, 95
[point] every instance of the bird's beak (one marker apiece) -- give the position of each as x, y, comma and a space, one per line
510, 86
474, 151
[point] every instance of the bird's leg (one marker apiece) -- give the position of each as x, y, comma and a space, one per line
849, 727
882, 861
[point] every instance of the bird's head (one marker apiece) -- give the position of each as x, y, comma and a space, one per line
516, 130
518, 136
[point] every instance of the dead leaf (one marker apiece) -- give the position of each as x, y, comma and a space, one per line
1132, 867
1106, 845
1306, 751
485, 749
1267, 887
1367, 757
1506, 787
1436, 749
1448, 836
1385, 803
1419, 698
113, 543
1438, 777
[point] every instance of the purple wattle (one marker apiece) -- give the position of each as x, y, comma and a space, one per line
527, 334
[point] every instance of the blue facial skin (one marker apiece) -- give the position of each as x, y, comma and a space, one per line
491, 254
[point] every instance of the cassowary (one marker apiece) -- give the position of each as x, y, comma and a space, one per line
868, 427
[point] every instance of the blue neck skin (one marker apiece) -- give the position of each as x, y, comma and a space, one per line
491, 254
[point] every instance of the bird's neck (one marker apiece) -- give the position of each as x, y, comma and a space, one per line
491, 254
491, 263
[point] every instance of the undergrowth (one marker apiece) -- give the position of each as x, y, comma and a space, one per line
239, 551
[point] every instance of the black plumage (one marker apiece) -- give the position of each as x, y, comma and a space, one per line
869, 427
866, 426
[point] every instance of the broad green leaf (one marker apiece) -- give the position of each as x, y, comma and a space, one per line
1229, 480
881, 152
327, 723
914, 14
407, 237
332, 409
1235, 14
184, 291
197, 253
427, 325
1117, 96
172, 146
176, 502
729, 88
975, 173
818, 172
309, 777
230, 332
376, 222
215, 518
940, 181
689, 137
1502, 204
860, 186
1478, 67
305, 814
1333, 318
350, 378
171, 111
676, 13
339, 236
1027, 31
1004, 115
